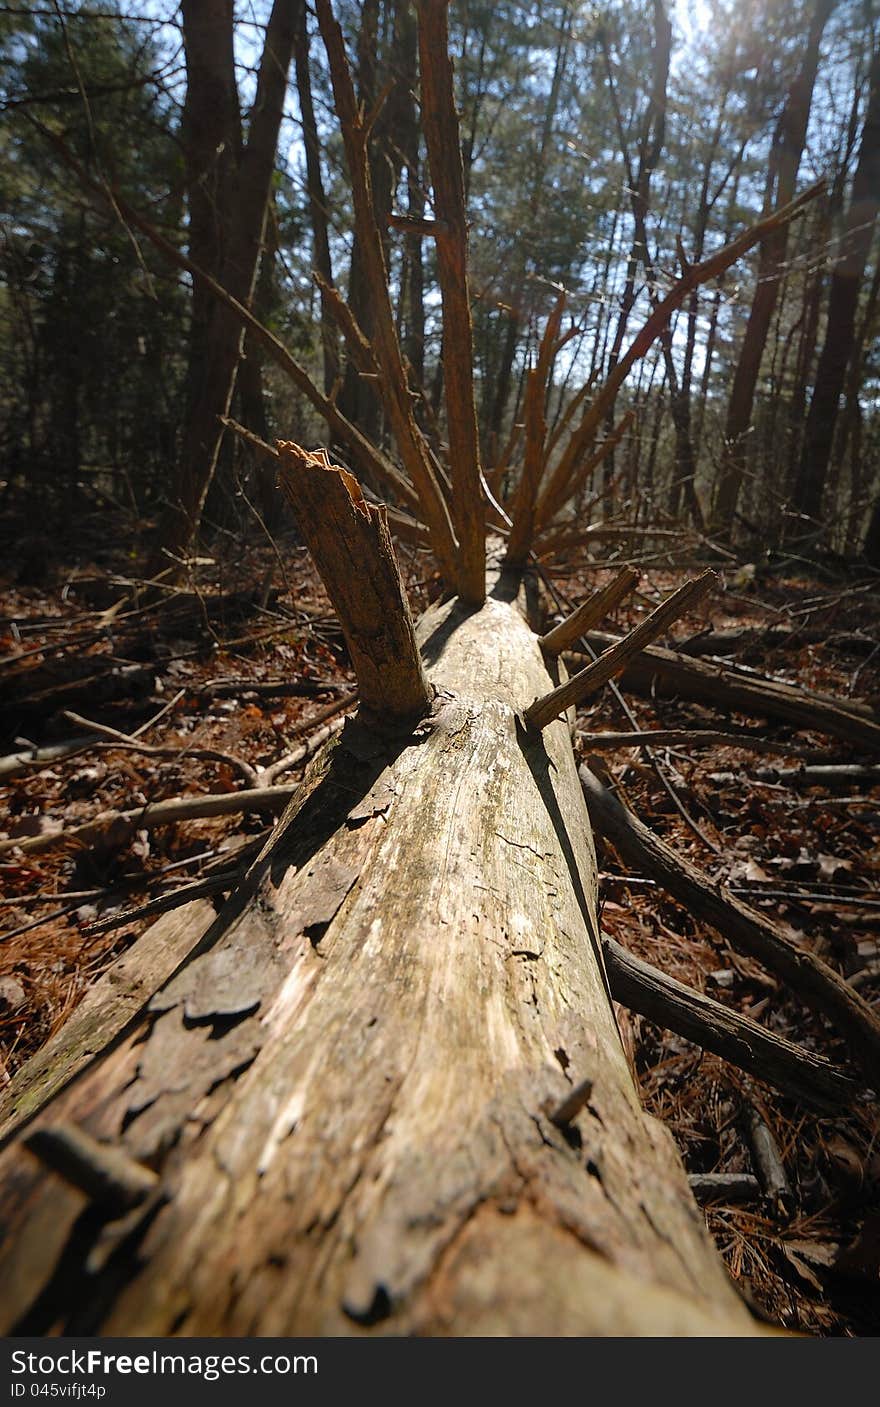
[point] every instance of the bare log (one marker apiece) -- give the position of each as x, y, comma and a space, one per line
351, 545
590, 613
817, 984
597, 674
796, 1072
347, 1094
667, 673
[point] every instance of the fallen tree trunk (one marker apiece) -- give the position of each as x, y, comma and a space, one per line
352, 1095
795, 1071
667, 673
755, 641
747, 929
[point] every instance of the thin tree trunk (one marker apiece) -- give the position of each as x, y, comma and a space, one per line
318, 208
789, 143
840, 329
228, 189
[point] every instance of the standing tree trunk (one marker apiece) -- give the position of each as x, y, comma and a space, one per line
318, 208
228, 186
840, 328
788, 147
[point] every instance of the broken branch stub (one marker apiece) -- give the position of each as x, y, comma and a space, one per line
593, 610
591, 679
351, 547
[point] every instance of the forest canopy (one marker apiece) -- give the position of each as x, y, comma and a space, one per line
606, 148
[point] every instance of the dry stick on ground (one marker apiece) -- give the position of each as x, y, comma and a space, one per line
657, 671
36, 757
749, 931
768, 1162
692, 737
834, 775
225, 872
119, 826
725, 1187
126, 742
749, 639
671, 1004
165, 903
597, 674
322, 731
590, 613
350, 543
296, 688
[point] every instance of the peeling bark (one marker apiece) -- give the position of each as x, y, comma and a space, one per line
348, 1094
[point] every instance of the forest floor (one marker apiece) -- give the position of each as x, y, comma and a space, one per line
246, 662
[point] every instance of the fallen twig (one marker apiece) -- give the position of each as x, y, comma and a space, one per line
666, 672
725, 1187
768, 1163
127, 742
691, 737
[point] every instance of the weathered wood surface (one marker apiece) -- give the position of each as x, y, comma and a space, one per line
350, 544
348, 1097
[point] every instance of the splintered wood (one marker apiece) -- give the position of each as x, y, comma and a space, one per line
351, 546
